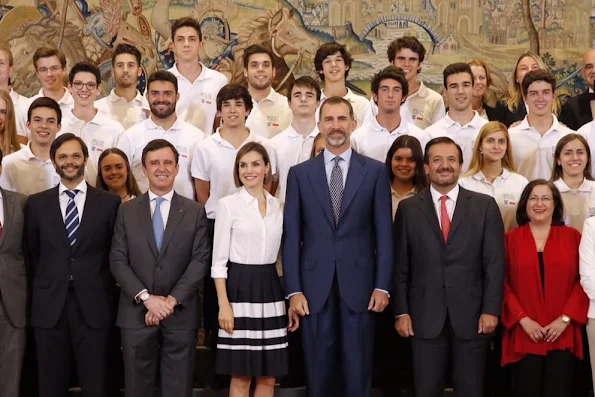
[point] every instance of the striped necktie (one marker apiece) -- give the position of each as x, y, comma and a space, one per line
72, 217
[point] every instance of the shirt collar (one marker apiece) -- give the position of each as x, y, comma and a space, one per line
30, 155
292, 133
65, 100
13, 95
205, 73
563, 187
349, 96
408, 194
115, 98
401, 129
270, 98
526, 126
249, 199
168, 196
422, 91
176, 126
481, 177
328, 156
475, 121
82, 188
453, 194
98, 119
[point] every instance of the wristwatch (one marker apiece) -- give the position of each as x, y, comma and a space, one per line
566, 319
144, 296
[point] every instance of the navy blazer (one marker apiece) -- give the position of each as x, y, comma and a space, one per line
359, 250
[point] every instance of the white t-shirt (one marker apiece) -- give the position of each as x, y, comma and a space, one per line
373, 140
291, 148
506, 190
359, 103
463, 135
213, 162
25, 173
270, 116
533, 153
122, 111
99, 134
579, 204
66, 104
182, 135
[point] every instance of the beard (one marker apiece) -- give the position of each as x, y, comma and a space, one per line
163, 114
257, 84
79, 173
337, 139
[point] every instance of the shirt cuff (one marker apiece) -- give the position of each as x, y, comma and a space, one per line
401, 315
381, 290
136, 297
295, 293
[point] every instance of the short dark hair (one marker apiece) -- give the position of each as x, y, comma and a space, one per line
45, 102
256, 49
131, 185
456, 68
247, 148
336, 100
521, 210
186, 22
557, 171
123, 48
234, 91
538, 75
85, 67
48, 52
155, 145
420, 179
329, 49
393, 73
62, 139
304, 81
409, 42
162, 75
438, 141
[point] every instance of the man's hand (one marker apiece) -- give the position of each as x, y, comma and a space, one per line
171, 302
226, 318
404, 326
151, 320
378, 301
299, 304
555, 329
487, 324
157, 305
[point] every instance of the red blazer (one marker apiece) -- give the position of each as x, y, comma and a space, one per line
523, 295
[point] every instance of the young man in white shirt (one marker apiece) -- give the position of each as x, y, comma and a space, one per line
30, 170
270, 113
50, 68
162, 94
294, 145
534, 140
332, 62
461, 123
18, 100
125, 104
97, 130
197, 84
375, 137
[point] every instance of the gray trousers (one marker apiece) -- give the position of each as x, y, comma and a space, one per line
12, 349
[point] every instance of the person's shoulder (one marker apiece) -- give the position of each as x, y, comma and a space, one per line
477, 197
368, 161
12, 157
20, 198
217, 76
437, 129
42, 197
136, 129
104, 194
192, 204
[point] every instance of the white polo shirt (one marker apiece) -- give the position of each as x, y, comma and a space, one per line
198, 99
373, 140
463, 135
270, 116
99, 134
533, 153
359, 103
372, 112
124, 112
506, 190
291, 148
66, 104
588, 131
182, 135
213, 162
18, 101
25, 173
579, 204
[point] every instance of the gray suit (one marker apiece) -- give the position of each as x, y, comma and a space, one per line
176, 270
13, 293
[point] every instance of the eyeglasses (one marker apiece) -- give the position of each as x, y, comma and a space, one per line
79, 85
53, 69
544, 199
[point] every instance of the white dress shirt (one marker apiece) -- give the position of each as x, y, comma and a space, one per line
25, 173
66, 104
451, 203
329, 164
270, 116
122, 111
79, 199
587, 263
164, 207
579, 204
359, 103
243, 235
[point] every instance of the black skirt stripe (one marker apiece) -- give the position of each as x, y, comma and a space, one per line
248, 363
260, 324
251, 342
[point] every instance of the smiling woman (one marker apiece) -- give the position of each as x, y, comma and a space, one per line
115, 175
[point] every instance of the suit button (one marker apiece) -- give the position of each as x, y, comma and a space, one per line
333, 259
72, 259
158, 267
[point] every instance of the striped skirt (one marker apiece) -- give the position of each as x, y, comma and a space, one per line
258, 344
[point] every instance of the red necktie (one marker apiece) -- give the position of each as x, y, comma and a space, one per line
444, 218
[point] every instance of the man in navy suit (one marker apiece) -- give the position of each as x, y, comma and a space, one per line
337, 255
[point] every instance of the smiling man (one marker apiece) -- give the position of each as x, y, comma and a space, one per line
580, 109
461, 123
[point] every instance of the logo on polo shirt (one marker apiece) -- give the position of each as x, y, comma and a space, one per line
417, 114
183, 150
206, 98
591, 211
272, 121
97, 145
509, 199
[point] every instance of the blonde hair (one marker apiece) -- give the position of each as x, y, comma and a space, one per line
515, 92
480, 62
477, 159
9, 135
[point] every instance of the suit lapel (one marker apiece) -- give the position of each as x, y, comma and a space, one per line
460, 211
355, 177
429, 210
89, 213
320, 186
55, 217
8, 206
146, 222
584, 105
176, 213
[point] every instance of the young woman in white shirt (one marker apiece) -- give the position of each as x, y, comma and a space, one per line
114, 175
252, 339
492, 171
572, 176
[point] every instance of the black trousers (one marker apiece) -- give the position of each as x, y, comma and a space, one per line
544, 376
210, 302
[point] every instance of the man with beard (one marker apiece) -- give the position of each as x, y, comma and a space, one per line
69, 231
449, 281
461, 123
162, 94
337, 256
580, 109
270, 112
125, 104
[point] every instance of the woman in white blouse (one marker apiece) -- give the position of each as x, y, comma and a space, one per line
572, 177
252, 340
492, 171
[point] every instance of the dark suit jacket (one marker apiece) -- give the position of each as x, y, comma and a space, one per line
576, 112
501, 113
464, 277
53, 261
13, 274
176, 270
359, 250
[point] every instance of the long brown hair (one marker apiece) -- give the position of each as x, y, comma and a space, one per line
9, 135
557, 171
131, 185
476, 163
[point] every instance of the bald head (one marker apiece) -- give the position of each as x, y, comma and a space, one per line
588, 71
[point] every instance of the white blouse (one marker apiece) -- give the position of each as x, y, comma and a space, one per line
579, 204
242, 235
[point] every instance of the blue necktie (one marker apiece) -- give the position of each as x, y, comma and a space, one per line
158, 227
72, 217
336, 189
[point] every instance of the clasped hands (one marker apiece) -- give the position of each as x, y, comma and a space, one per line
159, 308
549, 333
486, 325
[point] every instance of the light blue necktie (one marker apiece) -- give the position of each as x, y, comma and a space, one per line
71, 220
158, 227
